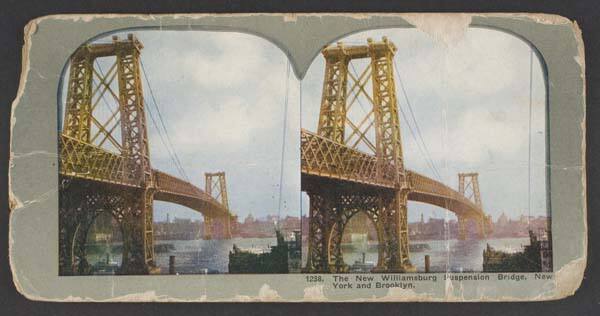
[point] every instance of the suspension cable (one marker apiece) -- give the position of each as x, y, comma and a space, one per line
423, 152
179, 169
171, 150
285, 112
529, 144
412, 133
105, 103
427, 153
301, 211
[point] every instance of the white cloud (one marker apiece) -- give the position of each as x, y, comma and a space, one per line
478, 135
223, 89
239, 61
221, 96
471, 101
229, 124
485, 63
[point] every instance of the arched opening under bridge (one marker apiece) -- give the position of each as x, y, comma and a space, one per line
360, 243
104, 244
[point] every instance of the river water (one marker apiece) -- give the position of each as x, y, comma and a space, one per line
212, 256
452, 255
191, 256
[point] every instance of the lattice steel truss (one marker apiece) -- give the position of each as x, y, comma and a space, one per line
322, 156
468, 186
84, 160
332, 118
341, 179
217, 227
104, 163
78, 116
121, 182
329, 153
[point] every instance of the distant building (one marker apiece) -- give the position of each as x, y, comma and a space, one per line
178, 229
249, 219
504, 227
502, 220
272, 218
359, 226
182, 220
525, 219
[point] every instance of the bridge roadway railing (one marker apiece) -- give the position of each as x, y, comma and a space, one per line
321, 156
88, 161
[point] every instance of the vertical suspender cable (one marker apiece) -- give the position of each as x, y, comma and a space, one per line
529, 146
300, 93
285, 110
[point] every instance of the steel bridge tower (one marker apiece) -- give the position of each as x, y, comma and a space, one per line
128, 190
104, 160
331, 204
217, 227
468, 186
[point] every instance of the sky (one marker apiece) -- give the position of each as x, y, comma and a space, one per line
222, 96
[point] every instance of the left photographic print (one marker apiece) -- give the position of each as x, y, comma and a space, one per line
178, 154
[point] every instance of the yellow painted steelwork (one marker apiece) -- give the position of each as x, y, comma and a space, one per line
341, 180
93, 178
218, 227
468, 186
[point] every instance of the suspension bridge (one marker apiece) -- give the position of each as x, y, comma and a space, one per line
355, 165
104, 163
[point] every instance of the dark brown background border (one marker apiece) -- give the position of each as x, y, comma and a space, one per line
15, 14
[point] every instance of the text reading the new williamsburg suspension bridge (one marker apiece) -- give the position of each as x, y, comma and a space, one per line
412, 281
382, 281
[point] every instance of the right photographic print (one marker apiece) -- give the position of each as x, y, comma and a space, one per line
420, 155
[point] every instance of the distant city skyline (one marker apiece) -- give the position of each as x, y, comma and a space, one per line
416, 219
424, 229
224, 111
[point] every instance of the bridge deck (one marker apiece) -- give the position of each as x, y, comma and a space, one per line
324, 158
174, 190
89, 162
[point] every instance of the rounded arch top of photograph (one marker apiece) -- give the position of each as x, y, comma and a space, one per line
475, 104
214, 101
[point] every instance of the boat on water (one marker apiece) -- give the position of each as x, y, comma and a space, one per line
253, 249
361, 266
282, 258
105, 267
